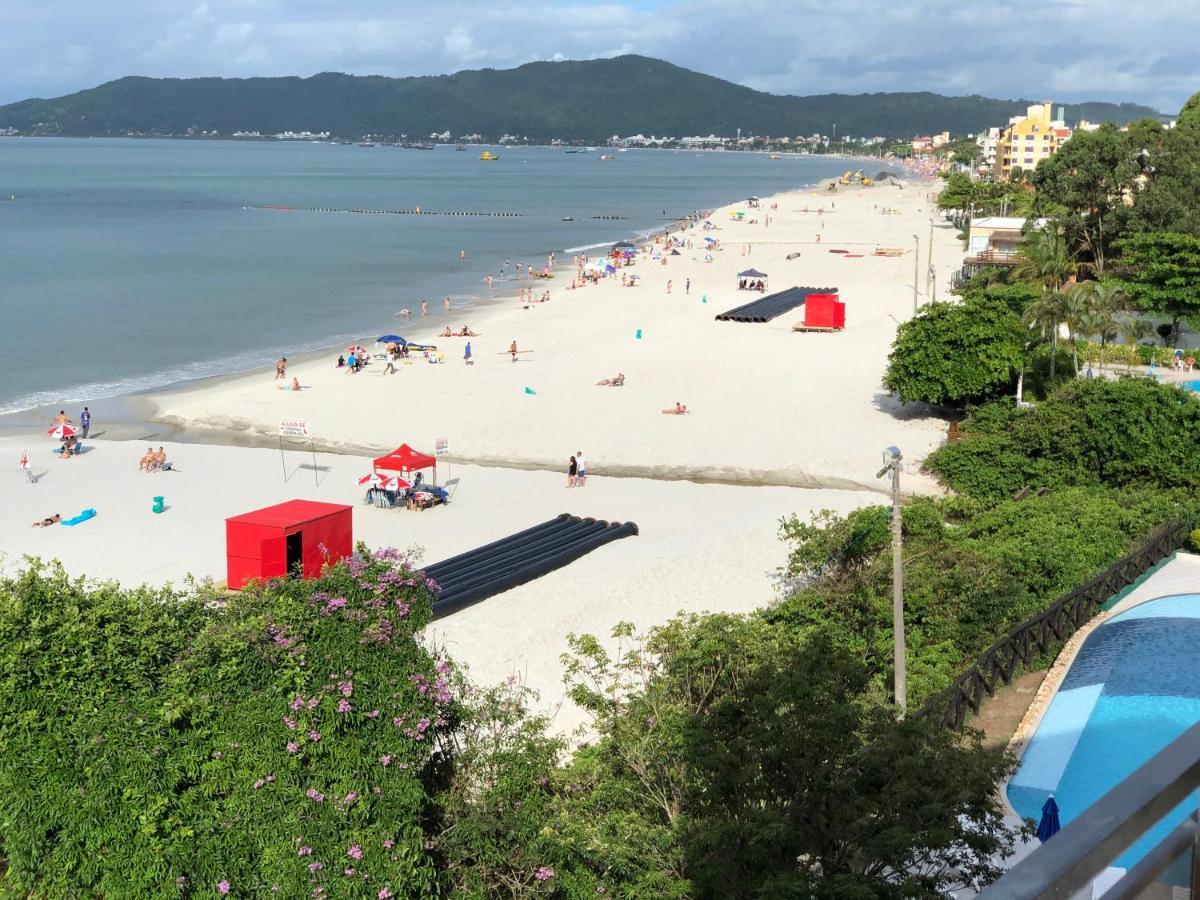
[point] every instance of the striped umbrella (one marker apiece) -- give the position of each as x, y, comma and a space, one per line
61, 430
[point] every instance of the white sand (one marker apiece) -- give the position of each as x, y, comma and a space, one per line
701, 547
768, 404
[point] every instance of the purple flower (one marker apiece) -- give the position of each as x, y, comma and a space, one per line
544, 873
349, 870
314, 795
315, 866
350, 797
298, 703
304, 851
423, 725
259, 783
290, 723
355, 852
314, 736
373, 714
344, 706
384, 894
346, 688
293, 747
385, 760
223, 886
389, 844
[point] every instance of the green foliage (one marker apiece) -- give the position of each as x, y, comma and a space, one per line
1089, 432
542, 100
1170, 198
158, 744
972, 569
1161, 273
770, 764
956, 353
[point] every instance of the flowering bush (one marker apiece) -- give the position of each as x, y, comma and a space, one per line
157, 744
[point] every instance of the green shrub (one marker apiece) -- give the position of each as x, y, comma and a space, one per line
159, 745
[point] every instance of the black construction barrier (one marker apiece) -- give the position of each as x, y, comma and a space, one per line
772, 305
511, 561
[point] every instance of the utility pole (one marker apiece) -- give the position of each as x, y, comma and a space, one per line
892, 459
916, 269
929, 273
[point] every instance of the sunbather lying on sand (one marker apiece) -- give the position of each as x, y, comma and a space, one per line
679, 410
49, 520
612, 382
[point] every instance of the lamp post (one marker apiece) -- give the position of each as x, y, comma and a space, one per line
916, 269
891, 464
929, 251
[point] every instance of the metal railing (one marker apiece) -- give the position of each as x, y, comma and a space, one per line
1068, 862
1038, 637
995, 256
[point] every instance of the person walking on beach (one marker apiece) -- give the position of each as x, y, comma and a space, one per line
572, 473
581, 469
85, 421
424, 307
390, 368
446, 304
62, 418
512, 348
280, 368
668, 285
467, 355
687, 286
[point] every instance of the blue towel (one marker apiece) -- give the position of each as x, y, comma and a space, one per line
82, 517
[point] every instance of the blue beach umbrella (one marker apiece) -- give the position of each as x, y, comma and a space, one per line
1049, 826
390, 339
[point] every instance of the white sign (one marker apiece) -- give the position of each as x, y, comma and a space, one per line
441, 446
293, 428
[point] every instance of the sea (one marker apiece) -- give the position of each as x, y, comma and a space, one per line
129, 265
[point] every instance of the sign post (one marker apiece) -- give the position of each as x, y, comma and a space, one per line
297, 428
441, 447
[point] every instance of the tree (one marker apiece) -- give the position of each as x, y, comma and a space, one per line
1089, 178
1135, 331
779, 771
1161, 273
952, 354
1047, 261
1095, 306
1169, 200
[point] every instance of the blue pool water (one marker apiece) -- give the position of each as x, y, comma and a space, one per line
1133, 688
1192, 386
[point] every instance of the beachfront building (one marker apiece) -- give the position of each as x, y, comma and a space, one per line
994, 241
1026, 140
986, 141
695, 142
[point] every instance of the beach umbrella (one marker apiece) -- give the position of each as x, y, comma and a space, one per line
622, 245
389, 339
373, 480
1048, 826
58, 432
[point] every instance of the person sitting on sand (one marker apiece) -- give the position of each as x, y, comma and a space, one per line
147, 460
295, 384
341, 363
160, 459
679, 410
70, 446
612, 382
49, 520
446, 332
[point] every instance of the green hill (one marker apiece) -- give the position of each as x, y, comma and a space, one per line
586, 101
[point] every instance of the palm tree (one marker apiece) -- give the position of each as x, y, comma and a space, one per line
1135, 331
1046, 261
1100, 304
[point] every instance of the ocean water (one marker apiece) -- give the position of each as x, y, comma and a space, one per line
127, 265
1133, 688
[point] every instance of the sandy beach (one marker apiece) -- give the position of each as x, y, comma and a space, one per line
780, 422
767, 405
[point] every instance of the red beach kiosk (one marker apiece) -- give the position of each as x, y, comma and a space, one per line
297, 536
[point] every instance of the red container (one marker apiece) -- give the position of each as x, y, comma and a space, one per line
299, 536
824, 311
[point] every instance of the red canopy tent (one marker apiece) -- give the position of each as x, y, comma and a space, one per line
405, 459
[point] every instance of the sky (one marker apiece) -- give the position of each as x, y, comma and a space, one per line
1062, 50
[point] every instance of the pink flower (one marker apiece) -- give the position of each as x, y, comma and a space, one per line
349, 870
373, 714
344, 706
314, 795
346, 688
384, 894
304, 851
389, 844
293, 747
223, 886
298, 703
350, 797
315, 866
314, 736
289, 722
355, 852
259, 784
385, 760
544, 873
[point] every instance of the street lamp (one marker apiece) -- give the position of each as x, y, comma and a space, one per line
892, 459
916, 269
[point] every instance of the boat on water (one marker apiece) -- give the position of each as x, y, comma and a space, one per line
775, 156
606, 156
568, 218
489, 156
416, 146
366, 144
573, 151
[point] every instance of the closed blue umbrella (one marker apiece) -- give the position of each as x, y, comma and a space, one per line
1049, 825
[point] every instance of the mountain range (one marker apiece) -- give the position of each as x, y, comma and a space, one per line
571, 100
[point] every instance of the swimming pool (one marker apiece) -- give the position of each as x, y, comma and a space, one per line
1191, 386
1133, 688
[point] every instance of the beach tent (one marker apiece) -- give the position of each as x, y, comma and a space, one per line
297, 537
405, 459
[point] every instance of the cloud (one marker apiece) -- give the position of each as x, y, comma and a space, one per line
1061, 49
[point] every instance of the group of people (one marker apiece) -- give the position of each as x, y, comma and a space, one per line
577, 470
465, 331
153, 461
70, 442
747, 284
